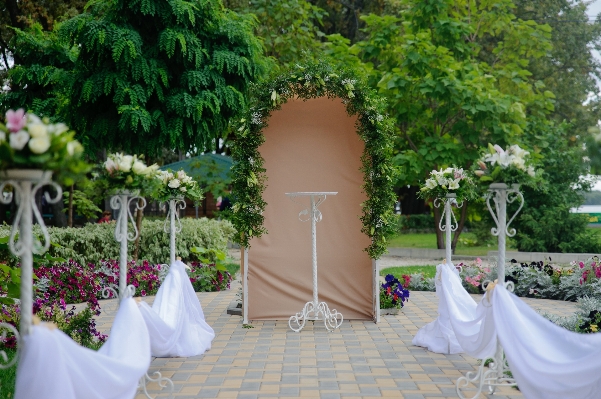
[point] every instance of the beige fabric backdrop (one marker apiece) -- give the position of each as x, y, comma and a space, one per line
311, 146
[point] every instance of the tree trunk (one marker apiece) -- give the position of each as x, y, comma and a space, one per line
439, 233
139, 213
462, 219
71, 206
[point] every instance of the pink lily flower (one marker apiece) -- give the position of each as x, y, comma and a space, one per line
15, 120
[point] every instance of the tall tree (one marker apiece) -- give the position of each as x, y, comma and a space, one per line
23, 14
447, 100
153, 73
290, 29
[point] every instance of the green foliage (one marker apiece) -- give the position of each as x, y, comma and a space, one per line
8, 377
446, 101
415, 222
155, 73
545, 224
308, 81
94, 242
81, 204
289, 29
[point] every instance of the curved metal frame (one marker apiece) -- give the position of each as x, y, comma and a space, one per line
450, 222
5, 363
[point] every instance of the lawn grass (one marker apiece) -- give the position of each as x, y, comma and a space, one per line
398, 271
8, 377
428, 241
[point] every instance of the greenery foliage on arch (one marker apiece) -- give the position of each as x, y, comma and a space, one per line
307, 82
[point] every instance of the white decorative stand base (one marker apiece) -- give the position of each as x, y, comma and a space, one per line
314, 310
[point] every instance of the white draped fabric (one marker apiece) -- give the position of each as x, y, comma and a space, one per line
438, 336
52, 365
176, 322
547, 361
461, 325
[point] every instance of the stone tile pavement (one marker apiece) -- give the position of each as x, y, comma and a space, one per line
360, 360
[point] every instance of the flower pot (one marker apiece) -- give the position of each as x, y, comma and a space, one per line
33, 175
389, 311
451, 195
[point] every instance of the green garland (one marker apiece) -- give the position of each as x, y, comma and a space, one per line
307, 82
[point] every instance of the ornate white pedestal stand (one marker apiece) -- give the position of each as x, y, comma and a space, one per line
25, 184
496, 375
314, 310
175, 205
121, 201
450, 222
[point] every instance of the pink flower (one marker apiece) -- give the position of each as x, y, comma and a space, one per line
15, 120
478, 261
581, 264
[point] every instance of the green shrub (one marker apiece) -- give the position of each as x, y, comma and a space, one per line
94, 242
415, 222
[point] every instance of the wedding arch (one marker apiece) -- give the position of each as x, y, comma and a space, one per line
312, 128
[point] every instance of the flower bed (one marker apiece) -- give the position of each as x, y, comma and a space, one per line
543, 280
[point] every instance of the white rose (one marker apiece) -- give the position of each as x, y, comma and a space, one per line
441, 180
74, 147
139, 168
60, 128
110, 165
181, 175
33, 119
174, 183
518, 152
18, 140
37, 130
182, 189
39, 145
519, 163
125, 163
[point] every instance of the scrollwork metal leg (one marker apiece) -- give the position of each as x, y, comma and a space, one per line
497, 374
162, 382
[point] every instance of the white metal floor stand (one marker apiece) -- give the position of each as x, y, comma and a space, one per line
497, 373
314, 310
450, 222
25, 184
121, 201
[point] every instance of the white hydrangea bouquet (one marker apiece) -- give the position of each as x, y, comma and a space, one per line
510, 166
449, 181
176, 185
127, 172
30, 142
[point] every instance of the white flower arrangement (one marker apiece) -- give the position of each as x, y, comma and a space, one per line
176, 184
449, 181
508, 166
127, 172
30, 142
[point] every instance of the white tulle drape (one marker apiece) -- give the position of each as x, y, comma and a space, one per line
176, 322
461, 325
547, 361
52, 365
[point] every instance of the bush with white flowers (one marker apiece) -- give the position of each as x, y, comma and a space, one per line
126, 172
176, 185
449, 181
510, 166
30, 142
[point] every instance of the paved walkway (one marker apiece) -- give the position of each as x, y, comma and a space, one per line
361, 360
